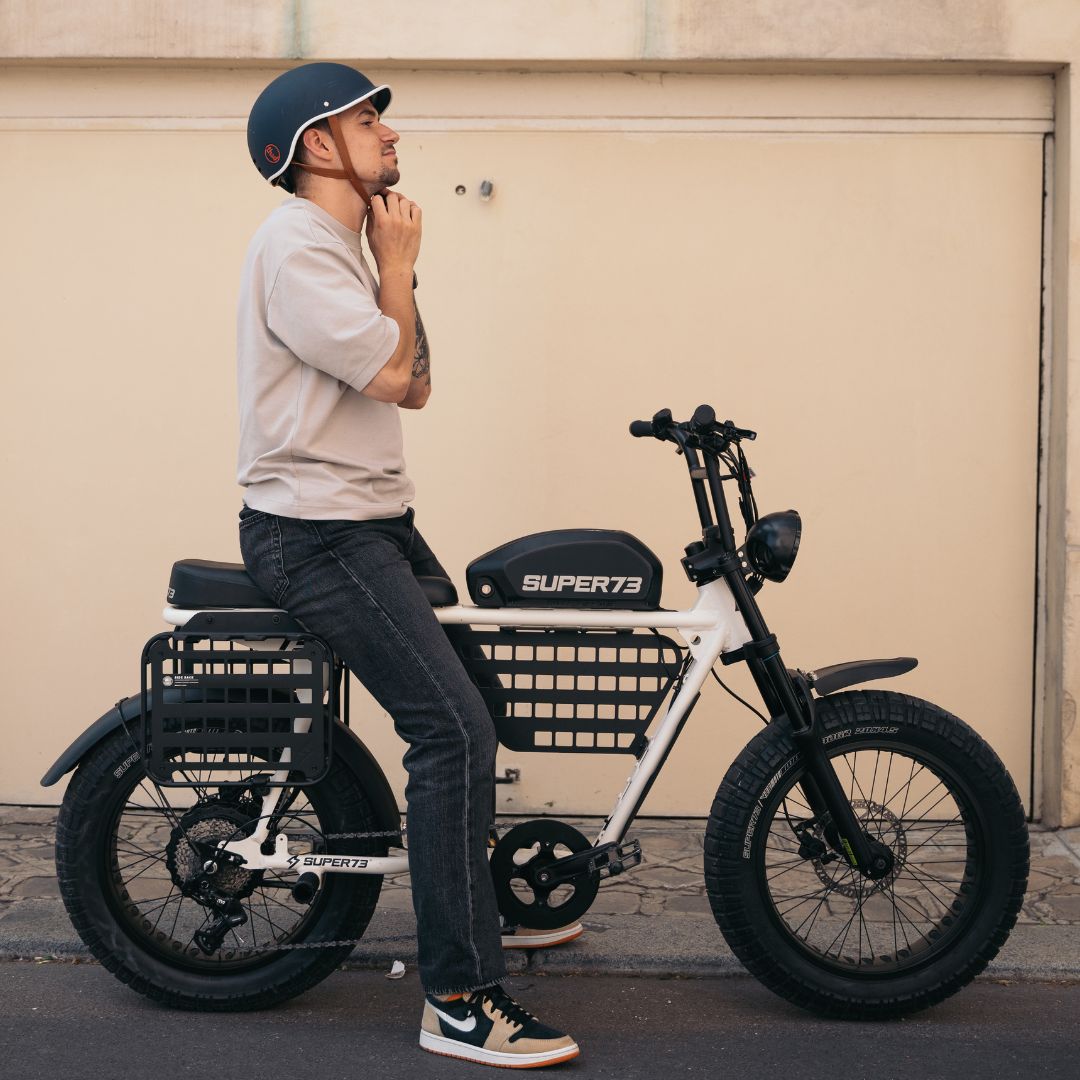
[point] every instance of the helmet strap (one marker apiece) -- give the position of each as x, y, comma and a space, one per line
349, 173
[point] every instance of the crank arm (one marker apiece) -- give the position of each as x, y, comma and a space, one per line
606, 860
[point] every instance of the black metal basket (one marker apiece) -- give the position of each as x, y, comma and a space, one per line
574, 691
215, 711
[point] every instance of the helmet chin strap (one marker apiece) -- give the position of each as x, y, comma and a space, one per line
349, 173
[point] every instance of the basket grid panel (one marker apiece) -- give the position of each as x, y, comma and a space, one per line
570, 690
215, 709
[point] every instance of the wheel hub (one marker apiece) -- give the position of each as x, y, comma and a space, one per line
888, 841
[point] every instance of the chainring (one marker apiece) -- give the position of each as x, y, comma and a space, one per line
551, 906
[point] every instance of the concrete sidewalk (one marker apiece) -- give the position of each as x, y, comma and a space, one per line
655, 919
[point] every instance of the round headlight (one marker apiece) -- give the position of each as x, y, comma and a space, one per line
773, 542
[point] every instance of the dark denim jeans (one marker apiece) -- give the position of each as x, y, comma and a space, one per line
353, 583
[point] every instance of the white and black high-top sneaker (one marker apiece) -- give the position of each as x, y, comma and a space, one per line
490, 1027
521, 937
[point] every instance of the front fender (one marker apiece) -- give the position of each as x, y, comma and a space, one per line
827, 680
356, 756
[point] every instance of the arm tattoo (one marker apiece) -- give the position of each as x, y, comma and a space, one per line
421, 356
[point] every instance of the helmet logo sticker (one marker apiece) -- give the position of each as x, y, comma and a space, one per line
272, 153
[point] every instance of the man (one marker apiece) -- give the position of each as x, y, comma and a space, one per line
326, 357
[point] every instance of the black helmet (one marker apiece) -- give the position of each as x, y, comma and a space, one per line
297, 99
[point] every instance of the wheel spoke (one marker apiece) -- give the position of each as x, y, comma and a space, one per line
141, 859
161, 910
933, 834
128, 881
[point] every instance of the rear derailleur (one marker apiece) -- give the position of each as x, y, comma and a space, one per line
226, 908
206, 873
230, 915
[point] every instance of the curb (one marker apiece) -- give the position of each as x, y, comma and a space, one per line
676, 945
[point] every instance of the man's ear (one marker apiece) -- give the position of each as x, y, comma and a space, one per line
318, 143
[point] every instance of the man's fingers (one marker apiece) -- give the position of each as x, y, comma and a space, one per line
389, 206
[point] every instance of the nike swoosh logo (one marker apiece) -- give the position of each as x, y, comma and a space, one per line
461, 1025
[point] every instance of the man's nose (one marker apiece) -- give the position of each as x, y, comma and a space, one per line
390, 135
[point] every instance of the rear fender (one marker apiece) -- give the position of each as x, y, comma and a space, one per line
355, 754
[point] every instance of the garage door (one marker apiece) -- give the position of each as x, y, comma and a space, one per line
851, 267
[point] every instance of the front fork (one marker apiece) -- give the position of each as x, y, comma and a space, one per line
824, 794
791, 697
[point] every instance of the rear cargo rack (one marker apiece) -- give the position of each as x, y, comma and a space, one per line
221, 707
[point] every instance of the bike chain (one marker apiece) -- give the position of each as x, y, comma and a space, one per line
341, 835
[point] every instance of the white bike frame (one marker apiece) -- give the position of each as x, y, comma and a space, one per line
713, 626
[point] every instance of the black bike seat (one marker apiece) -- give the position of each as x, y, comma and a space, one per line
201, 583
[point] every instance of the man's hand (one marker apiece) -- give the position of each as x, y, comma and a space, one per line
393, 232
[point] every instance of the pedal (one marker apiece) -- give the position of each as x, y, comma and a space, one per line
620, 858
606, 860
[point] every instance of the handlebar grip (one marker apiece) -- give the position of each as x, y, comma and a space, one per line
641, 429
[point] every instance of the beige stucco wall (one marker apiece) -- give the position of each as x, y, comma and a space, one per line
512, 32
844, 36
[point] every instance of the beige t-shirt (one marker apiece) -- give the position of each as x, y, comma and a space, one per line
310, 337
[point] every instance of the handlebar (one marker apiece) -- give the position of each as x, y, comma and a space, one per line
699, 430
704, 432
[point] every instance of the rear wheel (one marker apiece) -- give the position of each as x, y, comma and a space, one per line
816, 931
127, 870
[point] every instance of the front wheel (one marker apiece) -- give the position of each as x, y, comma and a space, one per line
816, 931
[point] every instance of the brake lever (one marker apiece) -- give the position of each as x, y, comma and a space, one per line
737, 432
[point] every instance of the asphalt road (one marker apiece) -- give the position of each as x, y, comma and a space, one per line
76, 1021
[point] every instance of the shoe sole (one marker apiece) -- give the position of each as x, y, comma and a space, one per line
437, 1044
538, 941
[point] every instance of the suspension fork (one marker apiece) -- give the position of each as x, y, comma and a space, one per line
824, 792
716, 557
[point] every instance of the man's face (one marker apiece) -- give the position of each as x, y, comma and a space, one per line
371, 146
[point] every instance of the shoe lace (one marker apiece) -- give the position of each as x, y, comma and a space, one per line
503, 1003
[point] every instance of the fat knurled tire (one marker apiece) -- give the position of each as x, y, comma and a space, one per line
749, 800
81, 854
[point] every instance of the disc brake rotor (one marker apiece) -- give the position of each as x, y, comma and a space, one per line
890, 831
521, 856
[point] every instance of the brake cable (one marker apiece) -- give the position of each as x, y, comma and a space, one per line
746, 490
761, 717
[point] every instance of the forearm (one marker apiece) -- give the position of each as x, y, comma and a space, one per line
396, 302
393, 231
420, 386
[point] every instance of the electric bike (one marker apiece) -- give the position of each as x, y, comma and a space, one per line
223, 841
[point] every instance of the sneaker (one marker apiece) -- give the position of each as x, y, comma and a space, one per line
521, 937
488, 1026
